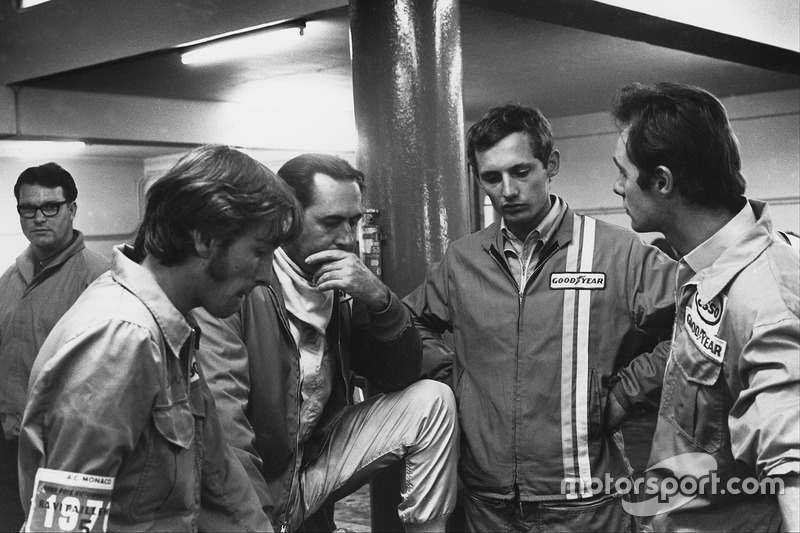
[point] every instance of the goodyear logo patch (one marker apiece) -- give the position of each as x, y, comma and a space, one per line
708, 343
592, 281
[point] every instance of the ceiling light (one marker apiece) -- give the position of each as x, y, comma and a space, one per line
25, 4
251, 44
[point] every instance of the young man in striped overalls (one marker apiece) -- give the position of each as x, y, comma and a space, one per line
545, 306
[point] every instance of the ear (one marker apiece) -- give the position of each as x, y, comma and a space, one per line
202, 246
73, 209
553, 163
663, 181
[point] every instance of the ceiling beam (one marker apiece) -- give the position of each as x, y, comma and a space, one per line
633, 25
63, 35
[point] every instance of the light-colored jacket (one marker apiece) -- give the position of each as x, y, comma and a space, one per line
531, 368
731, 384
115, 392
30, 305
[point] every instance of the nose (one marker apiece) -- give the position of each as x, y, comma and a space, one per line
509, 187
345, 238
38, 216
618, 187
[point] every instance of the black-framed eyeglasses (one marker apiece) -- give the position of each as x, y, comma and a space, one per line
48, 210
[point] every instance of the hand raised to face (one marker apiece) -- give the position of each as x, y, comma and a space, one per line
339, 269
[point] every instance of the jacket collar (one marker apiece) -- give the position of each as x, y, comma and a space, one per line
712, 280
142, 284
491, 238
25, 261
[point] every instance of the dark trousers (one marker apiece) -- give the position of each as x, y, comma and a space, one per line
11, 514
602, 513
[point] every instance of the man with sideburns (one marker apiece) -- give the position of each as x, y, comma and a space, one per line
729, 389
120, 431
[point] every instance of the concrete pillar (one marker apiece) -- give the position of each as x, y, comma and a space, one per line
410, 122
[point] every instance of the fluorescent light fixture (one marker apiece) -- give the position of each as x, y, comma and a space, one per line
25, 4
42, 149
252, 44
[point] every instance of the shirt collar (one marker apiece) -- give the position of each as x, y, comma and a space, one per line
731, 233
142, 284
546, 228
26, 261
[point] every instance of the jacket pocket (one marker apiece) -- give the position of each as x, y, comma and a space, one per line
166, 483
696, 399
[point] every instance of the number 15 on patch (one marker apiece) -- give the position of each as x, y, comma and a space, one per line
69, 501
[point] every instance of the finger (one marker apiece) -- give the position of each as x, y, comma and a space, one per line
326, 256
326, 272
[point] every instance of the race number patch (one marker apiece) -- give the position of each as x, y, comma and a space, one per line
702, 322
68, 501
578, 280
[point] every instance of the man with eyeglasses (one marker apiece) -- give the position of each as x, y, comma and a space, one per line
35, 292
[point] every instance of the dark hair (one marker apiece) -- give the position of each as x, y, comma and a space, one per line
219, 192
49, 175
299, 172
685, 129
500, 122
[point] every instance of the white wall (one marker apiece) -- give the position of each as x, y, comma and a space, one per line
768, 128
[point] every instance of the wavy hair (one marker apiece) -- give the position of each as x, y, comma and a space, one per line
219, 192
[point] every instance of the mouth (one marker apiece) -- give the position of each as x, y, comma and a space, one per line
514, 208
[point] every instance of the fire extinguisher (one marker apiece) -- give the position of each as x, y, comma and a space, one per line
370, 241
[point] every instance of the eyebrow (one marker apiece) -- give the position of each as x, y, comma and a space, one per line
44, 204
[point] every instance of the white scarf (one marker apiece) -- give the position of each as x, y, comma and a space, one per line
303, 301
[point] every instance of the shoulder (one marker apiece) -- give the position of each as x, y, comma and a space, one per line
106, 301
784, 266
617, 234
11, 272
767, 289
474, 241
622, 243
93, 262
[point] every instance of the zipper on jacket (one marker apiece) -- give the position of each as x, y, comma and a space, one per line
297, 462
337, 298
348, 399
546, 255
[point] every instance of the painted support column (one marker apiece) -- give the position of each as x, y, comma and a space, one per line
410, 122
409, 117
